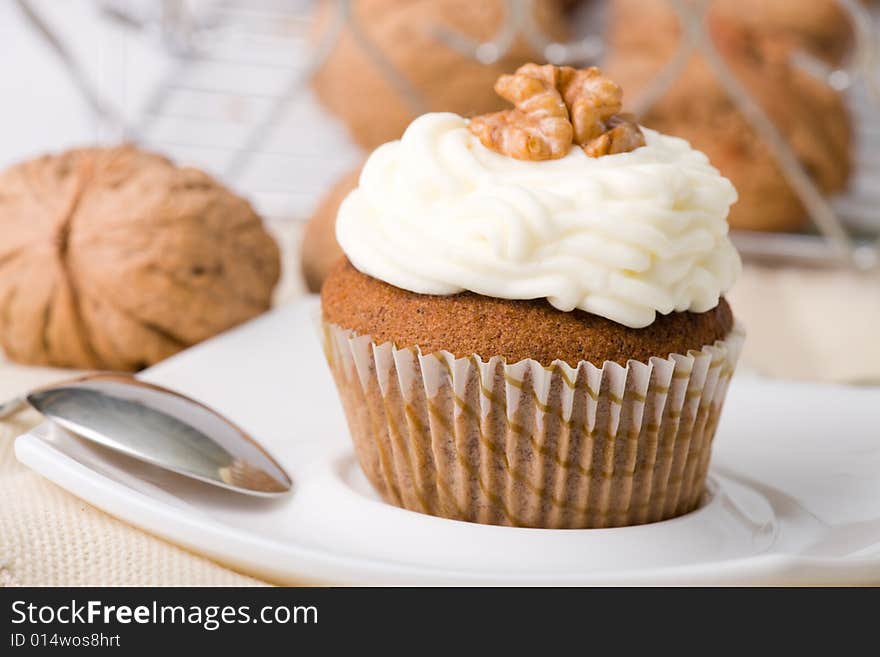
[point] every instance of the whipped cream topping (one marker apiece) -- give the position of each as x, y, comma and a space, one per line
623, 236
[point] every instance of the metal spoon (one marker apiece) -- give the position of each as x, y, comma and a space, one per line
161, 427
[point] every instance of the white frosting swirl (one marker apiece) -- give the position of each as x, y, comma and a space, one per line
622, 236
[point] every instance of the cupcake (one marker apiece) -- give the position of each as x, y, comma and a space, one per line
529, 326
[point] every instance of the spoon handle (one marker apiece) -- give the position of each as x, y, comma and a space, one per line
11, 407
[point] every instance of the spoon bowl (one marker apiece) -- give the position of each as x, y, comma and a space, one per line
161, 427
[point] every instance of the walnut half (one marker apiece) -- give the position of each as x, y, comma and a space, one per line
622, 134
538, 128
554, 108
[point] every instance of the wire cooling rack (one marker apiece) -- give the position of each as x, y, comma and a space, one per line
237, 102
233, 99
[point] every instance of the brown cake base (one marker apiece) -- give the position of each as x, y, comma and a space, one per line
465, 324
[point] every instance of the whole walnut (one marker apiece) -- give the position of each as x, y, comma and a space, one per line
115, 258
355, 88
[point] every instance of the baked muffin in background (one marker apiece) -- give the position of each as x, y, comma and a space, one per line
819, 27
529, 331
756, 40
355, 88
319, 250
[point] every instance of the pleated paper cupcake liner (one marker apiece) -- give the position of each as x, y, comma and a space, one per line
532, 446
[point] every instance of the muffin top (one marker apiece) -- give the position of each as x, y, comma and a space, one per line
505, 207
468, 323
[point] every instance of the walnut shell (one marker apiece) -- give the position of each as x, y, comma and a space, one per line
116, 258
354, 88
